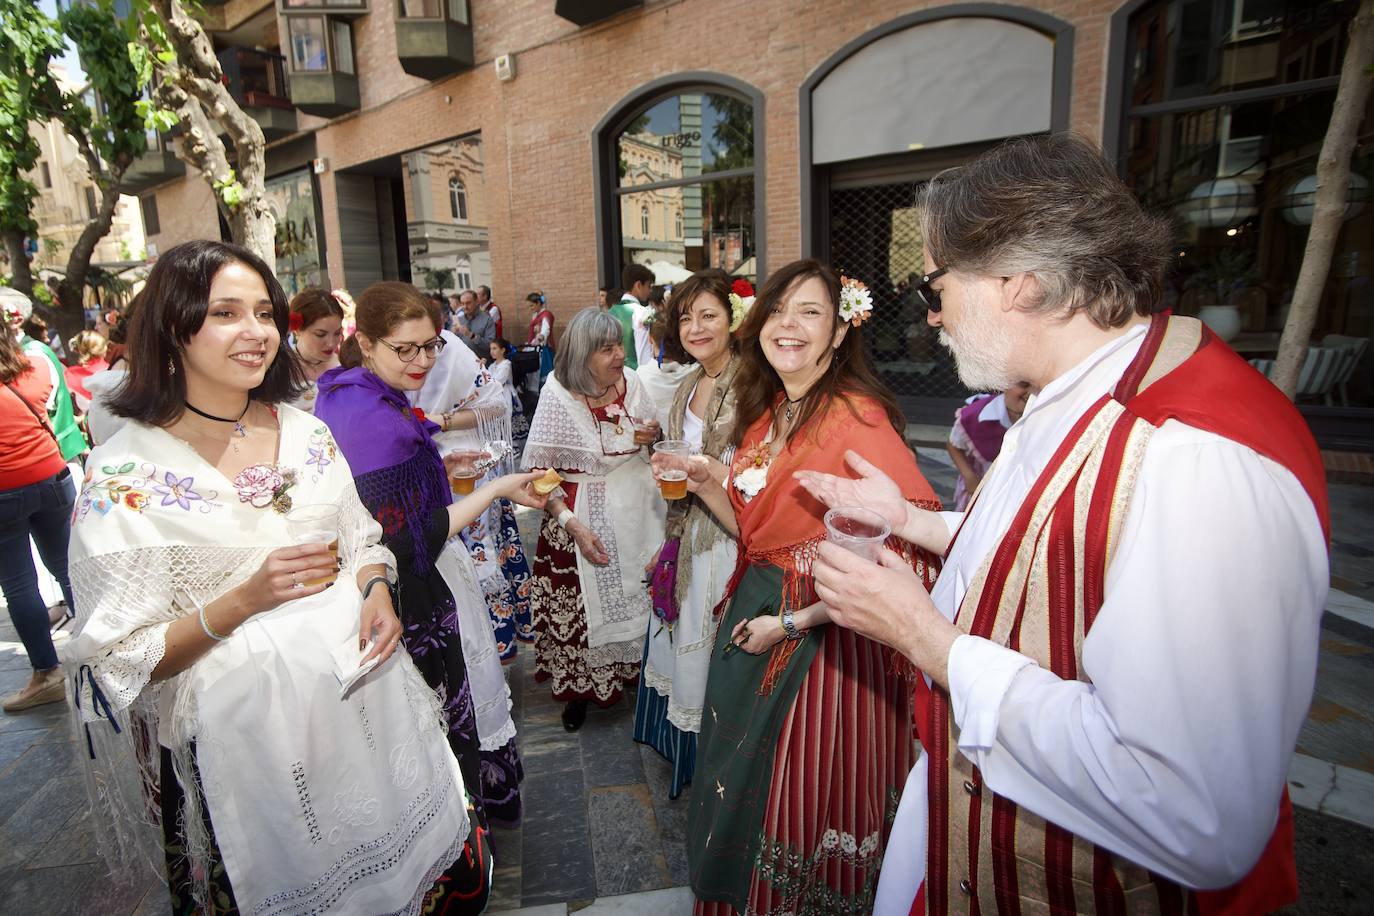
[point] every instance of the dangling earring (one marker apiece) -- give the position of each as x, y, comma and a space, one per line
171, 366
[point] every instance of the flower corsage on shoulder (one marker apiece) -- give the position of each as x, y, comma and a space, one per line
741, 299
855, 301
750, 471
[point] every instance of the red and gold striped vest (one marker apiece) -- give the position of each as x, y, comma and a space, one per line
1038, 594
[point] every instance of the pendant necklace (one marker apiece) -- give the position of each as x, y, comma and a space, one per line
239, 429
791, 408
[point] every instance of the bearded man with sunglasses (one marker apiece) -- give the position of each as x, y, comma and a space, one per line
1122, 645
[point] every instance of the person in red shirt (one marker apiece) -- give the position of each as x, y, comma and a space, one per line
36, 496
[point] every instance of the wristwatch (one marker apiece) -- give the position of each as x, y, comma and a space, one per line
789, 628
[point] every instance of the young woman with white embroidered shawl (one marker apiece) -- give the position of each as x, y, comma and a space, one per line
205, 666
591, 606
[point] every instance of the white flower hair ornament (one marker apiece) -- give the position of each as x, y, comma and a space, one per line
741, 300
855, 301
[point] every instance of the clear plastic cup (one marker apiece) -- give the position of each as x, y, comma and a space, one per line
860, 531
316, 525
670, 467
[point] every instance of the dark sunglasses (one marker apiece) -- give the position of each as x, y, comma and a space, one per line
930, 298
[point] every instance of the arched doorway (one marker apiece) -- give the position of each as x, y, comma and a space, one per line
883, 115
679, 166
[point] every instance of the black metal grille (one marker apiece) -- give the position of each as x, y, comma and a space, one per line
875, 236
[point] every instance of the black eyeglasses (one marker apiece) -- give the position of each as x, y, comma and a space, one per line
407, 352
930, 298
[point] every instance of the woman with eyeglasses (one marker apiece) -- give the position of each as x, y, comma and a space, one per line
404, 483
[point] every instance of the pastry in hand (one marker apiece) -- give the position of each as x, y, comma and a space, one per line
545, 485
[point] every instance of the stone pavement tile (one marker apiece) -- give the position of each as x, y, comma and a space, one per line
669, 901
43, 815
71, 889
38, 718
610, 756
547, 748
558, 872
546, 909
505, 888
30, 773
1328, 788
73, 844
13, 745
625, 842
670, 814
1350, 607
1335, 866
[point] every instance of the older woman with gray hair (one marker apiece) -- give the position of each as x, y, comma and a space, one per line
591, 609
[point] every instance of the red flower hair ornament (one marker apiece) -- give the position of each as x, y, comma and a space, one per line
295, 321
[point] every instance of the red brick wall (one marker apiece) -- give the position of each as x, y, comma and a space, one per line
537, 129
185, 210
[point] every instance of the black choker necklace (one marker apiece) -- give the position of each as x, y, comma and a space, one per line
717, 375
237, 421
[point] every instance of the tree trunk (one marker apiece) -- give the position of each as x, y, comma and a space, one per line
199, 96
71, 310
21, 278
1333, 183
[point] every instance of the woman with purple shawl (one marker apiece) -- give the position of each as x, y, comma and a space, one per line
403, 481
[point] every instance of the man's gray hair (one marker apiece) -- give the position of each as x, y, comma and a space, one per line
1053, 207
589, 331
467, 292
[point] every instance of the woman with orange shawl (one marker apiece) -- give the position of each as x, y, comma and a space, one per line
806, 736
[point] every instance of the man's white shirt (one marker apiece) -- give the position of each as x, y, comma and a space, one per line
1199, 666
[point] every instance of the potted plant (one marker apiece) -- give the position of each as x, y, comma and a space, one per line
1225, 275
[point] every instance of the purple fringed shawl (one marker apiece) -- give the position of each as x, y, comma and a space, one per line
394, 461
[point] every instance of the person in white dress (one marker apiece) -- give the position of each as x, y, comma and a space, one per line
214, 634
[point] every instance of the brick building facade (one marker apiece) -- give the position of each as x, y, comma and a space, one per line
847, 106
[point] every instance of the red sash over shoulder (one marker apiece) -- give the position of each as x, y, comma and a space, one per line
1182, 372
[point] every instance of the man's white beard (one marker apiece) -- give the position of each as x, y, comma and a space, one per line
982, 350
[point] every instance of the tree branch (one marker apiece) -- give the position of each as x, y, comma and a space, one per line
1328, 212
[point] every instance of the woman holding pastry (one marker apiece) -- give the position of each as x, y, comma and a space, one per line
591, 609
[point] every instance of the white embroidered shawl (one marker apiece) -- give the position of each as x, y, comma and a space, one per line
317, 802
617, 498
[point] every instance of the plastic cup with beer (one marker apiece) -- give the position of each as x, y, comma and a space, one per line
670, 467
860, 531
463, 477
316, 525
646, 430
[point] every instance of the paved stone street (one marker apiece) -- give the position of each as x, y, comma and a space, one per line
600, 835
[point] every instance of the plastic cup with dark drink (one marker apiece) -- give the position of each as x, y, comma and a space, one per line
316, 525
857, 530
670, 467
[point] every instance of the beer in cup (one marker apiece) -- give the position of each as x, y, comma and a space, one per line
671, 467
316, 525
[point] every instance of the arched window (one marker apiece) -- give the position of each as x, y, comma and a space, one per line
458, 199
682, 147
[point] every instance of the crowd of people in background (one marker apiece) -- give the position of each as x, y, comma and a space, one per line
1085, 680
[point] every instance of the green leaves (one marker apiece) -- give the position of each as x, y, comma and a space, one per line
231, 191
